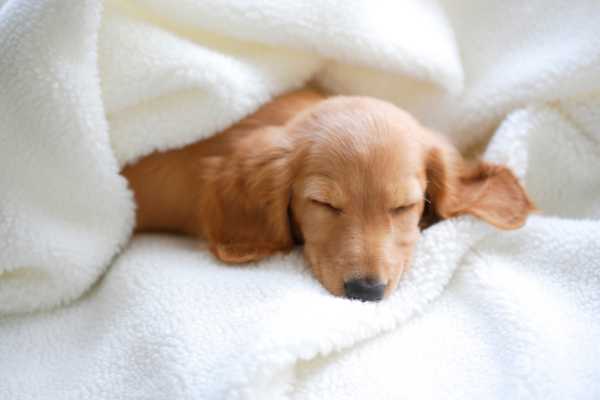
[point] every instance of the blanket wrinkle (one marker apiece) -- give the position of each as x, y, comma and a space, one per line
87, 87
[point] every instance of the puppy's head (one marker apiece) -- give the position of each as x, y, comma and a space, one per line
366, 176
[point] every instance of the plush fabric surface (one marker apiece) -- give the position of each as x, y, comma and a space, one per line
88, 86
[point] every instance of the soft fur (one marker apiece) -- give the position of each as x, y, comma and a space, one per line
350, 177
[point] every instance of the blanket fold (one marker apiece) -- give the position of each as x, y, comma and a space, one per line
64, 210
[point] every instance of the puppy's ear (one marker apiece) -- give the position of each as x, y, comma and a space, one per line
244, 211
488, 191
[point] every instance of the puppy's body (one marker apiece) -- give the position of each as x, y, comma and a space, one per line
170, 187
353, 177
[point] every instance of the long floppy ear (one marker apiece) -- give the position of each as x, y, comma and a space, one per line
488, 191
244, 209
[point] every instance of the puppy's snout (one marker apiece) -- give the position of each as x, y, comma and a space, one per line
364, 289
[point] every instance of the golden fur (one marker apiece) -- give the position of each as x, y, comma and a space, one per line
352, 178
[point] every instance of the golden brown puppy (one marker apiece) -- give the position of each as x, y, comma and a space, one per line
353, 178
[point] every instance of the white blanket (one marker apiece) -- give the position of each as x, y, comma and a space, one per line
88, 86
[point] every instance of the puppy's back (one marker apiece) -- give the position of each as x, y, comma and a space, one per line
166, 185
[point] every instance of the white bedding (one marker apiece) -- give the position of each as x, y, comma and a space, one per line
88, 86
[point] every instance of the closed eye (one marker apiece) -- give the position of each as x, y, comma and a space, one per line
327, 206
401, 209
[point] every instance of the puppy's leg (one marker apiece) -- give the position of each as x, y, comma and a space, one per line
239, 253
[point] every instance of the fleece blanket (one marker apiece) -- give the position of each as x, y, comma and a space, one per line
89, 86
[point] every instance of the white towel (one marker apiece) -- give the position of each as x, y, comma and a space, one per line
86, 87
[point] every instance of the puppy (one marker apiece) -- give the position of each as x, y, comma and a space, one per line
353, 179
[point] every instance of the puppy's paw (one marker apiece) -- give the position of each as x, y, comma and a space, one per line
238, 253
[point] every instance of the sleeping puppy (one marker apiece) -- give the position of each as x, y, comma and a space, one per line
352, 178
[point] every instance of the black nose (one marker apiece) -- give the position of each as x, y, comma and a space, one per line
364, 289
